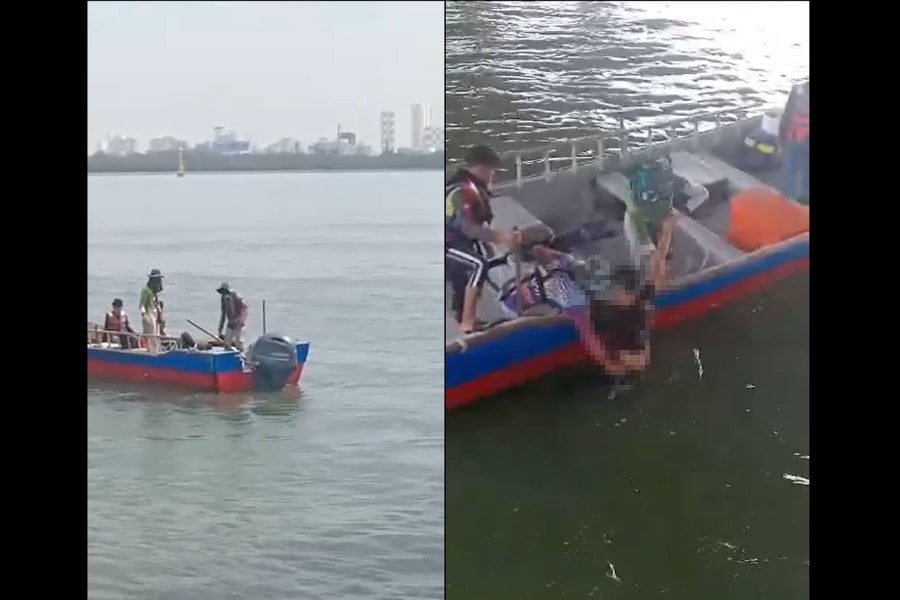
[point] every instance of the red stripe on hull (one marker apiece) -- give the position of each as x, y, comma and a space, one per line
513, 375
142, 374
294, 379
229, 382
533, 368
697, 307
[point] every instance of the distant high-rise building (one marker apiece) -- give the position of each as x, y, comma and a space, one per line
284, 146
228, 143
387, 132
165, 144
421, 118
432, 139
121, 146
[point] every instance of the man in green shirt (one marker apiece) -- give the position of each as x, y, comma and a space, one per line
149, 306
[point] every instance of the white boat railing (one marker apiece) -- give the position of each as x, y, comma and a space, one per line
98, 335
616, 148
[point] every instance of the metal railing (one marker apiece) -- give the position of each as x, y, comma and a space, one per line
614, 149
97, 335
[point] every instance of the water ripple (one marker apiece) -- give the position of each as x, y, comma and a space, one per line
521, 74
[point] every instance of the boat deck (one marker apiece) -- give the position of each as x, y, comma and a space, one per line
573, 201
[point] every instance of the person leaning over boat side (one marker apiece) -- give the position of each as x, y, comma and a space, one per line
794, 137
626, 315
467, 226
149, 305
117, 320
233, 316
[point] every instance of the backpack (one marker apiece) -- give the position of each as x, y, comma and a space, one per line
652, 185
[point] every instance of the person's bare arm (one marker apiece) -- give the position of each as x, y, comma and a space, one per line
658, 263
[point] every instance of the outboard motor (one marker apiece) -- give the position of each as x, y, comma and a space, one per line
273, 359
186, 341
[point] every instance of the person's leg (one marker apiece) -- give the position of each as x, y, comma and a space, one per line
789, 185
238, 337
229, 336
457, 276
640, 249
148, 323
477, 268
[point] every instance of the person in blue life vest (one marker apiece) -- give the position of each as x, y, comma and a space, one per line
794, 138
468, 216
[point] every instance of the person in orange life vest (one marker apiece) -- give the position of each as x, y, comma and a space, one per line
117, 320
234, 315
794, 138
467, 226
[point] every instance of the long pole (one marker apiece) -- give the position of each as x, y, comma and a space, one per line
264, 315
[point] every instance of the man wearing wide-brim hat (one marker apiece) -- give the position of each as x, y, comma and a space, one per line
233, 316
149, 306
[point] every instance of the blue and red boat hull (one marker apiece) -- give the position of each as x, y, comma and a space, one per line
222, 372
523, 354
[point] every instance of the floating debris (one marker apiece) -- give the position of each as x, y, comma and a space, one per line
796, 479
801, 456
612, 573
699, 364
727, 545
750, 386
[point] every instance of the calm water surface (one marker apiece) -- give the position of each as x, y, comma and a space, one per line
335, 491
694, 486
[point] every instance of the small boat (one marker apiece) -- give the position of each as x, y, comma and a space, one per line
180, 172
706, 269
272, 363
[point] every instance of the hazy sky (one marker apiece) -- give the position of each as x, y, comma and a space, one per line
266, 69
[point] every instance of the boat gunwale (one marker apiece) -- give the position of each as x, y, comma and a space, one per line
676, 285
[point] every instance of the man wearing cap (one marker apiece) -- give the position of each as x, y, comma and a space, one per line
149, 306
233, 314
467, 226
117, 320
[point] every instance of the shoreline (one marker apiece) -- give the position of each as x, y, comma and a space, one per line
206, 162
266, 171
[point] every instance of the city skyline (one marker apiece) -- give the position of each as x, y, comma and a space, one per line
144, 143
267, 70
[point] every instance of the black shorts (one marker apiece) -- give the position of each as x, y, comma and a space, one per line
465, 266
